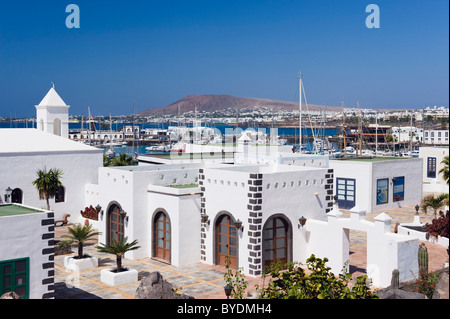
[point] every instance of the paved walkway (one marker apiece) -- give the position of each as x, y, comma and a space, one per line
204, 281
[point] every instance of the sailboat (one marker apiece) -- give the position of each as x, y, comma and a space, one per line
302, 147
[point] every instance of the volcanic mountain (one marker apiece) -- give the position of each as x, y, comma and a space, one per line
211, 103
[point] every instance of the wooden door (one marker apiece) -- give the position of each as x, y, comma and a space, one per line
116, 224
162, 237
227, 241
275, 241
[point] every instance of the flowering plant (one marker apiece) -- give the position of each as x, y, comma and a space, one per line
90, 213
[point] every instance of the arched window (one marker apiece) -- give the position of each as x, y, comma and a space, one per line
17, 196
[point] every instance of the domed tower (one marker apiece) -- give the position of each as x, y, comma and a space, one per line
52, 114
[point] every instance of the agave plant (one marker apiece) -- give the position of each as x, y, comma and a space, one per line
118, 248
78, 234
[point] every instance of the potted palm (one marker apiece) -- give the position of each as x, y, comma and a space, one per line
79, 234
48, 183
119, 275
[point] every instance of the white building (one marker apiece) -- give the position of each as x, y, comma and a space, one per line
436, 137
377, 184
52, 114
269, 200
23, 152
26, 253
432, 163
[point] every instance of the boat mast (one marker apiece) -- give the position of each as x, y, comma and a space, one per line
89, 125
300, 115
376, 134
110, 133
359, 131
343, 129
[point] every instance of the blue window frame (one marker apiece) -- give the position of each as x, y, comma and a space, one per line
346, 192
398, 192
431, 167
382, 191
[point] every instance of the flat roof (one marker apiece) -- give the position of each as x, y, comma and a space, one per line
371, 159
268, 168
31, 140
12, 210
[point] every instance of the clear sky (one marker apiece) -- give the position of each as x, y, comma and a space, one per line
157, 52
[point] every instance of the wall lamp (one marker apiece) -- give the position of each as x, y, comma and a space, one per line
98, 208
238, 225
8, 194
123, 214
301, 222
205, 219
417, 209
393, 180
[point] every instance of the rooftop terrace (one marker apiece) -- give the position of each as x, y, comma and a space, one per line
12, 210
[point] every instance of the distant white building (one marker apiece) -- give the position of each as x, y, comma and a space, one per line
436, 137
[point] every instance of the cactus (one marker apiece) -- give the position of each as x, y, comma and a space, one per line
395, 281
423, 259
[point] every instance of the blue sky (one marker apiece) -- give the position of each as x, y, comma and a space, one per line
156, 52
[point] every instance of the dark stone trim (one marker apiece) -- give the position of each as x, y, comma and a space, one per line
48, 265
46, 222
48, 236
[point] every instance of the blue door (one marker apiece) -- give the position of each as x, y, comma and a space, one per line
346, 192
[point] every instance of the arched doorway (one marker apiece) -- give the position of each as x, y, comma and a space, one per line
17, 196
277, 240
116, 225
162, 236
226, 241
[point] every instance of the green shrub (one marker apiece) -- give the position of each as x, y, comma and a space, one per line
290, 281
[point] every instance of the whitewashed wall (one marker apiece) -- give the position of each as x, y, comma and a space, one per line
386, 251
28, 235
366, 175
79, 168
129, 187
228, 190
437, 184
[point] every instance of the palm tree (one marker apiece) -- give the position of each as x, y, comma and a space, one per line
444, 170
118, 248
48, 184
122, 160
79, 234
434, 202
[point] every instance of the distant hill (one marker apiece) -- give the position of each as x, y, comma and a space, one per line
211, 103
